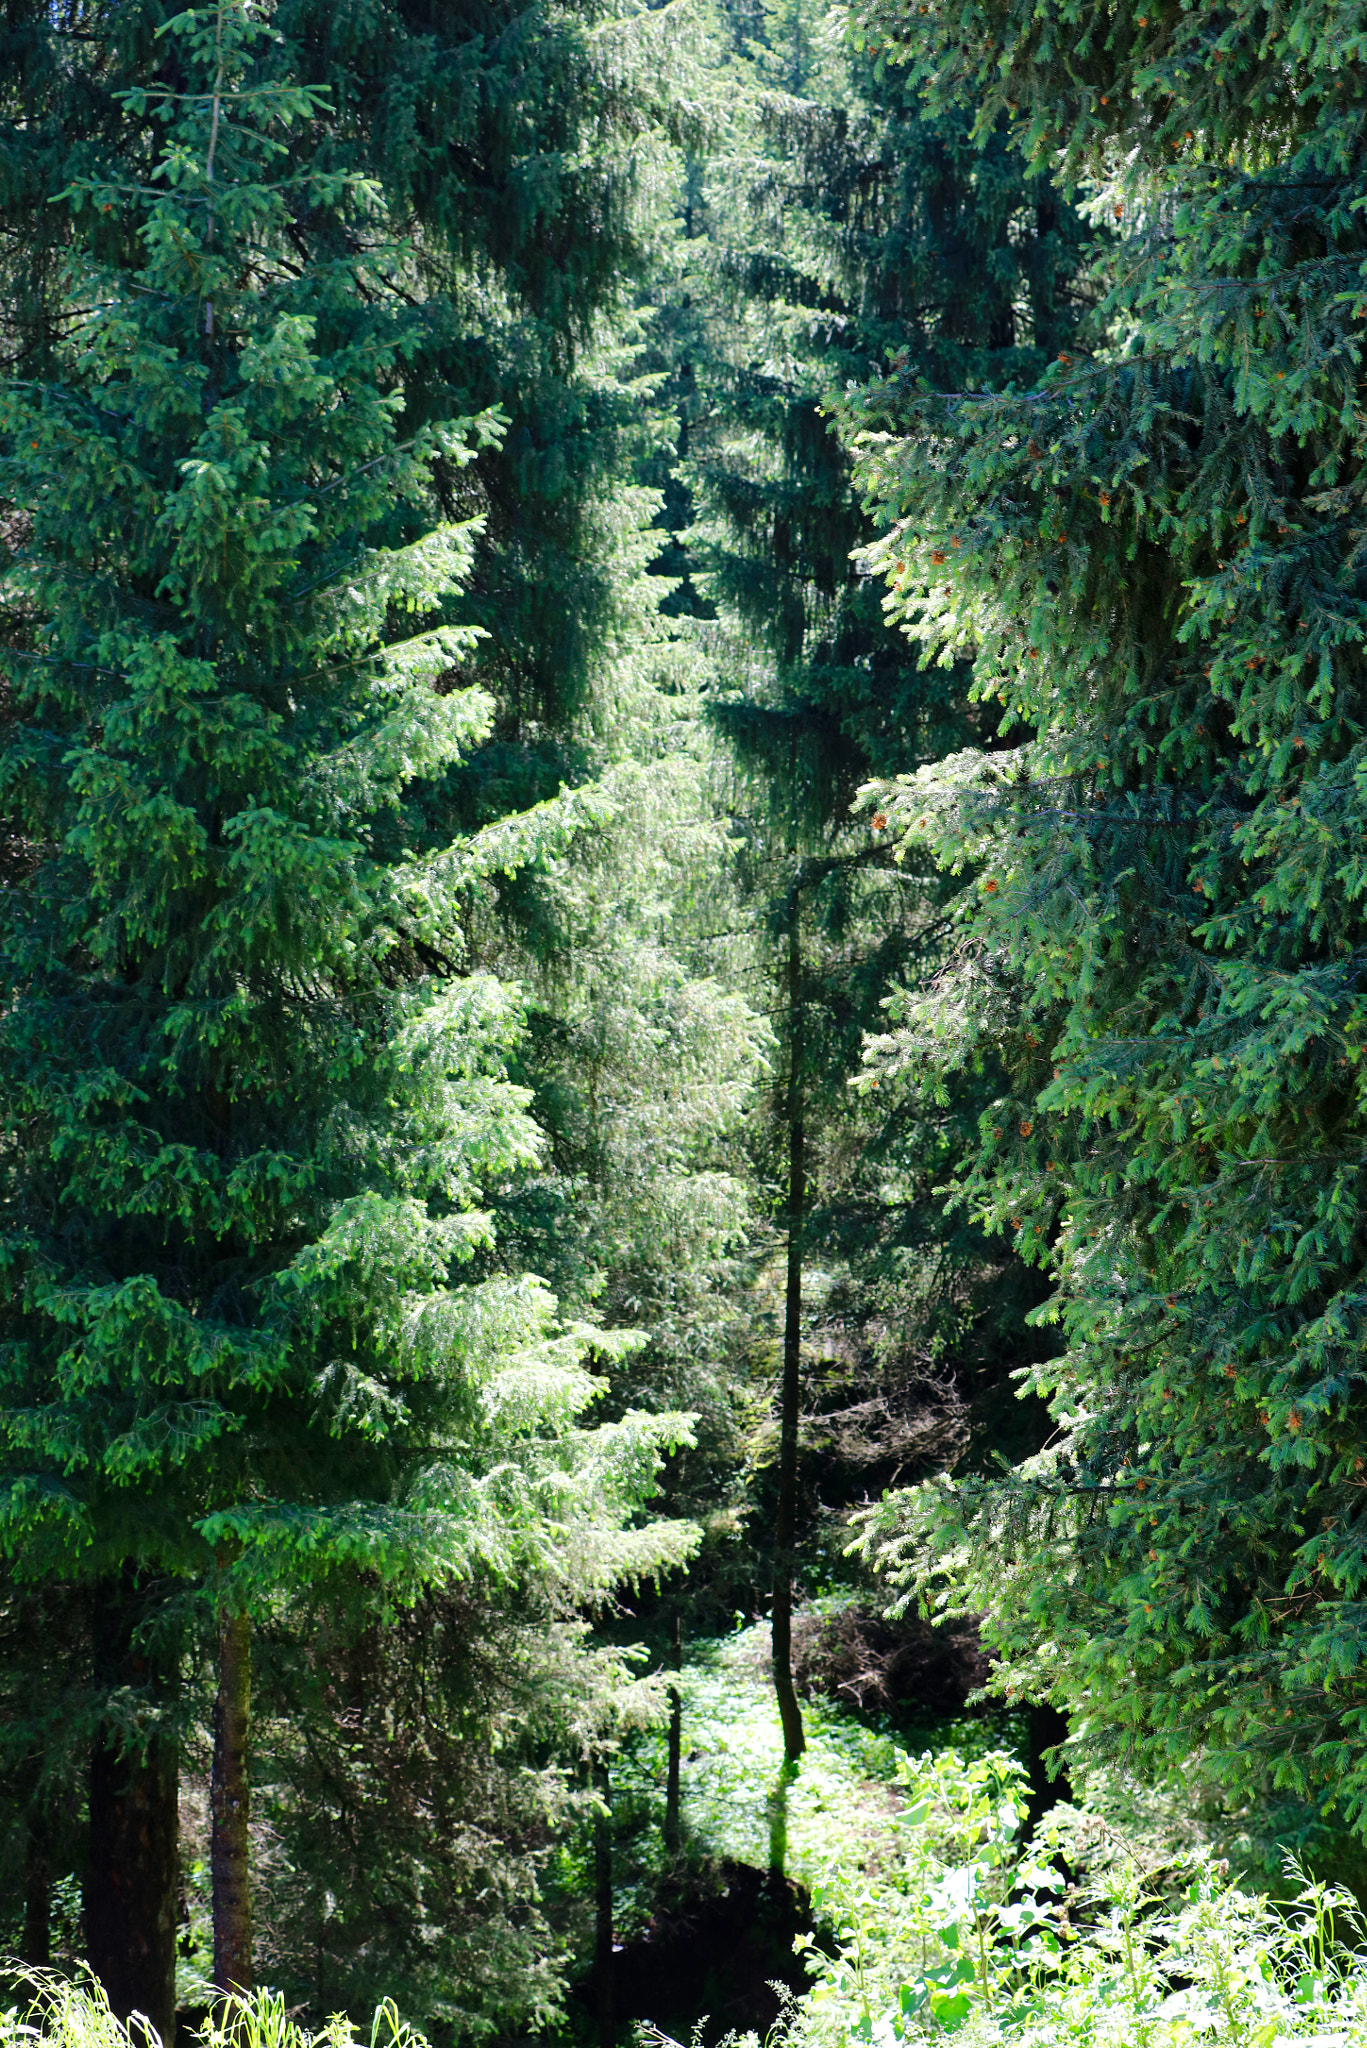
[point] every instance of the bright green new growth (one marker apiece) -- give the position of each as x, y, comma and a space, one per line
250, 1129
1154, 556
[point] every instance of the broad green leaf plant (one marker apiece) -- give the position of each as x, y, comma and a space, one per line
975, 1933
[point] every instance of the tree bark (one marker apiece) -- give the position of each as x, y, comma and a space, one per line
229, 1808
130, 1890
1047, 1726
602, 1885
1043, 293
36, 1947
132, 1862
132, 1865
785, 1521
672, 1819
777, 1804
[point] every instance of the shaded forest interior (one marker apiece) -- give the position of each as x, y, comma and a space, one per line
682, 1242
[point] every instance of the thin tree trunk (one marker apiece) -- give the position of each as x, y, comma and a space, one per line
229, 1846
785, 1521
1043, 295
36, 1947
602, 1885
132, 1865
1046, 1726
778, 1819
672, 1824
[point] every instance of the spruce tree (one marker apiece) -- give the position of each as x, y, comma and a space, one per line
514, 147
1154, 555
250, 1126
836, 228
644, 1056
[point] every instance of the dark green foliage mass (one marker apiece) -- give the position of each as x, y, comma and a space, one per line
256, 1096
483, 488
513, 147
837, 228
249, 1129
1154, 554
849, 229
413, 1779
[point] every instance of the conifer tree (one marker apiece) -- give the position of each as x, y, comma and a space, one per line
644, 1056
845, 228
514, 145
1154, 555
641, 1062
253, 1106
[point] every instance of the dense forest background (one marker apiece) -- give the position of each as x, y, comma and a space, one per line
681, 1233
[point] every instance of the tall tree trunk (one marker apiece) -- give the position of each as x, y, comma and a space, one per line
1046, 1727
602, 1886
36, 1947
777, 1805
229, 1845
785, 1521
1044, 295
132, 1866
672, 1826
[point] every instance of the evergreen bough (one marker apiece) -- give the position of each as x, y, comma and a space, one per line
1155, 556
252, 1104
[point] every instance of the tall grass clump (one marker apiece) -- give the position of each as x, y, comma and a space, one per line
74, 2013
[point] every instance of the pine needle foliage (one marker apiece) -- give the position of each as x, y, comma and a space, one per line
418, 1782
847, 228
1155, 556
837, 226
516, 149
248, 1129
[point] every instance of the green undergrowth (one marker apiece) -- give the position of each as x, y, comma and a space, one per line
739, 1805
965, 1929
74, 2013
1116, 1923
840, 1805
934, 1916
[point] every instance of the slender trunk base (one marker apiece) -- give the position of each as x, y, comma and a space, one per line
673, 1828
229, 1809
778, 1819
131, 1877
785, 1521
36, 1948
1047, 1726
132, 1862
785, 1692
602, 1886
